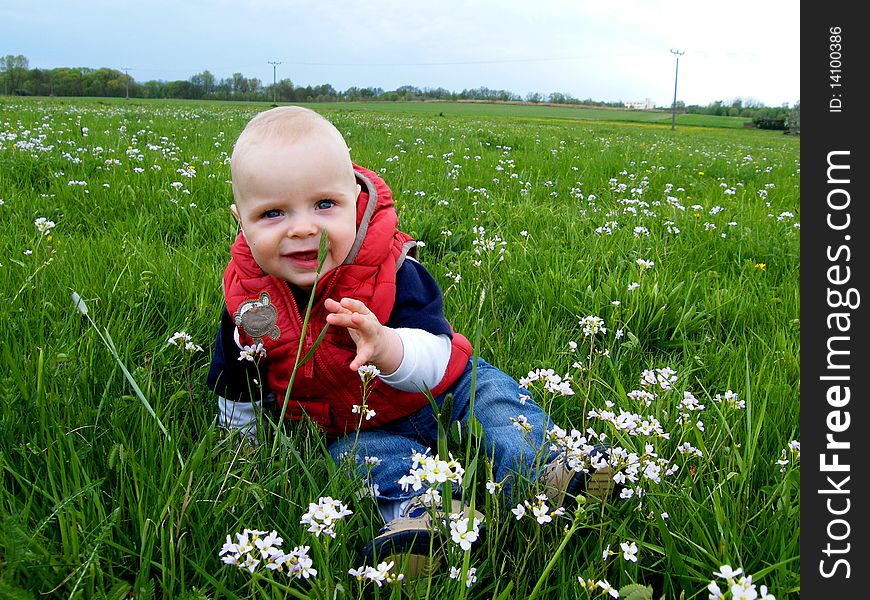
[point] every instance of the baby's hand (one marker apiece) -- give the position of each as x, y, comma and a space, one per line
376, 344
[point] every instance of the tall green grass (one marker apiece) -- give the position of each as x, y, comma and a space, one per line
99, 502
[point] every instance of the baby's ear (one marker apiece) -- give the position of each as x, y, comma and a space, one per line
235, 212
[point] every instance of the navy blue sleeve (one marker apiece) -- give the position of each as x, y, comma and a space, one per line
230, 377
419, 303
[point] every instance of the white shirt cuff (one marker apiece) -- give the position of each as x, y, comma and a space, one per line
424, 361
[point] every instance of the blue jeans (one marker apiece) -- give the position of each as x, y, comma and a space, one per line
496, 400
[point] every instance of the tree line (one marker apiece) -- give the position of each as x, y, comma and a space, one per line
19, 79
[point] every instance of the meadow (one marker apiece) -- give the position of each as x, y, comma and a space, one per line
643, 281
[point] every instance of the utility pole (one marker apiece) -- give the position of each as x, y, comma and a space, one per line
274, 80
678, 54
126, 82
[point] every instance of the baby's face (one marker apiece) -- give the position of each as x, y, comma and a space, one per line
286, 195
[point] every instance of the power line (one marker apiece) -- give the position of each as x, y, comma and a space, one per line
467, 62
274, 76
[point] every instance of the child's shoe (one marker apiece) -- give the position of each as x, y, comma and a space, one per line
414, 539
562, 484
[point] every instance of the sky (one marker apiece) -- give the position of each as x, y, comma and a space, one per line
606, 51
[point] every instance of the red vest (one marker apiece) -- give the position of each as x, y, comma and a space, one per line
325, 388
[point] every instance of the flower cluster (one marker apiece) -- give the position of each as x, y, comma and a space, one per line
363, 409
483, 244
539, 510
253, 353
688, 405
592, 325
183, 340
664, 378
575, 449
632, 423
591, 586
431, 471
793, 450
368, 372
553, 383
470, 575
633, 470
44, 226
380, 574
645, 264
739, 589
253, 549
730, 399
323, 516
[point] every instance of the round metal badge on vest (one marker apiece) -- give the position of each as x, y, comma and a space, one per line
258, 318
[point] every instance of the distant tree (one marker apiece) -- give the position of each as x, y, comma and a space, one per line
203, 83
14, 68
178, 89
793, 120
560, 98
152, 89
67, 81
37, 82
240, 84
408, 92
284, 90
534, 97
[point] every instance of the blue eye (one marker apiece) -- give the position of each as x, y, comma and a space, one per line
325, 204
271, 214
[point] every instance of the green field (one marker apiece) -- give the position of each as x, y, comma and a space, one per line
686, 243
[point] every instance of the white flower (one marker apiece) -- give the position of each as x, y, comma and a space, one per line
43, 225
633, 286
359, 409
252, 353
605, 585
715, 592
464, 532
368, 372
739, 591
521, 422
726, 572
179, 338
645, 264
592, 325
519, 511
323, 516
540, 511
629, 551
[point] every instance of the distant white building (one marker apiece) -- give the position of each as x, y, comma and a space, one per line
645, 105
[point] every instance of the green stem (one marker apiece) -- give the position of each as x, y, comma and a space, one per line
574, 527
321, 258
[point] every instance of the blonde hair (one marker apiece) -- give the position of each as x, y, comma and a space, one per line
284, 123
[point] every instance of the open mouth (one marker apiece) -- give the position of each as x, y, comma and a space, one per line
305, 259
304, 256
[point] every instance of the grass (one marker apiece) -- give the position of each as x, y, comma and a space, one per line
98, 502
